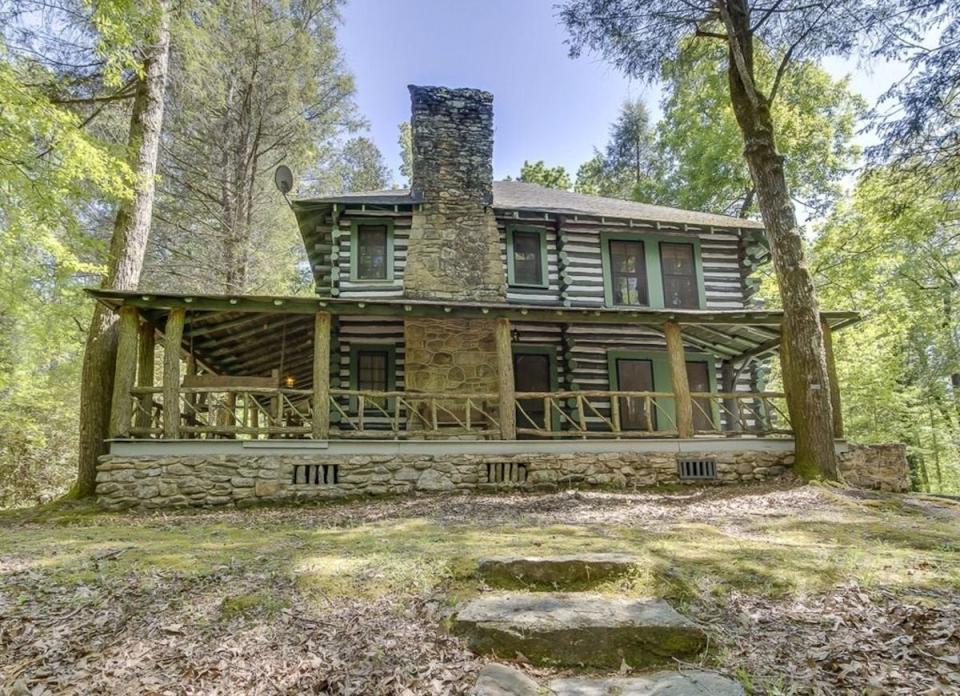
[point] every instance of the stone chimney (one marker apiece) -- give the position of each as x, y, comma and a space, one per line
454, 247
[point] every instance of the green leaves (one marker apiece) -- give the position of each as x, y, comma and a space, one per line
550, 177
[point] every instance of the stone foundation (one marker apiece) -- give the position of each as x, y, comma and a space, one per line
881, 467
125, 481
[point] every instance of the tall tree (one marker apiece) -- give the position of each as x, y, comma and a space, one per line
358, 166
254, 84
127, 246
550, 177
704, 168
893, 251
638, 37
627, 167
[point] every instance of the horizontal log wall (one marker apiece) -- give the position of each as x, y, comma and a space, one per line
574, 259
342, 286
363, 331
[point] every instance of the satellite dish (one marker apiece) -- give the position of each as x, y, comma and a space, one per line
283, 178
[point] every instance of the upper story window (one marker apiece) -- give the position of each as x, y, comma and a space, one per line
652, 270
679, 271
527, 257
628, 273
372, 252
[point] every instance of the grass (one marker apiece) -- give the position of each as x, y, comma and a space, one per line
692, 545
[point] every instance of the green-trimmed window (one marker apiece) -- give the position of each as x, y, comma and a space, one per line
678, 270
372, 252
527, 257
372, 368
628, 272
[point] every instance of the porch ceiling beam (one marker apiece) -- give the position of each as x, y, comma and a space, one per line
221, 346
401, 308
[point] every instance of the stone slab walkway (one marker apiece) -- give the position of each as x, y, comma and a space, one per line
503, 680
567, 572
578, 629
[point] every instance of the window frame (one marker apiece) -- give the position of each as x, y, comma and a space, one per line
544, 260
662, 376
609, 271
355, 228
654, 267
697, 271
391, 353
551, 353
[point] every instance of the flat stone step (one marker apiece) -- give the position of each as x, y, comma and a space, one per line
555, 572
693, 683
578, 629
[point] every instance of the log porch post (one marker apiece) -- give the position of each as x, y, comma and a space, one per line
728, 384
505, 383
678, 374
125, 370
320, 423
832, 374
172, 337
145, 366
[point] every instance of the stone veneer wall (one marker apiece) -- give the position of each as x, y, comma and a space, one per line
882, 467
450, 355
181, 481
454, 248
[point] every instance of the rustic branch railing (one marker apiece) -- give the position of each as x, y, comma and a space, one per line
581, 414
248, 412
760, 414
398, 414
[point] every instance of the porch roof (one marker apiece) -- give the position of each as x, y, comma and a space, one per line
254, 334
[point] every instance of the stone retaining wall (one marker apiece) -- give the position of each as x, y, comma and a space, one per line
882, 467
180, 481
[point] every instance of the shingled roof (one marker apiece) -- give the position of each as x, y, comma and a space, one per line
519, 195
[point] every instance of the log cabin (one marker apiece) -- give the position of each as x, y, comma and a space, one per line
465, 333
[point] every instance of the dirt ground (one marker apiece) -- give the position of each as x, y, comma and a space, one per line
803, 589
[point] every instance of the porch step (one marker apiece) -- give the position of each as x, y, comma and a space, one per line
692, 683
503, 680
578, 629
555, 572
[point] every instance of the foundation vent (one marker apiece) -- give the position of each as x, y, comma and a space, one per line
316, 474
696, 469
506, 472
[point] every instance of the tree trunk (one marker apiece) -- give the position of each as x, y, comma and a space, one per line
125, 263
805, 377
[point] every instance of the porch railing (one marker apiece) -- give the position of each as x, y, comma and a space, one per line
219, 412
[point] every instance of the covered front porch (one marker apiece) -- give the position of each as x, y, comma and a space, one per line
294, 368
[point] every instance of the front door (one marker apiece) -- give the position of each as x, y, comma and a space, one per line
531, 373
636, 375
698, 376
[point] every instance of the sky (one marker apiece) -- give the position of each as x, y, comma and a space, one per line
546, 105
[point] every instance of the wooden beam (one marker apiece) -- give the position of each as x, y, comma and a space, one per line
146, 358
125, 372
678, 373
172, 335
505, 383
321, 376
835, 405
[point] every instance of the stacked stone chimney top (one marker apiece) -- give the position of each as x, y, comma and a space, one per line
454, 247
452, 138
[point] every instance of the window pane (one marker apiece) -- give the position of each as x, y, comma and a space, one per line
628, 273
527, 262
531, 373
372, 253
636, 375
680, 287
372, 370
